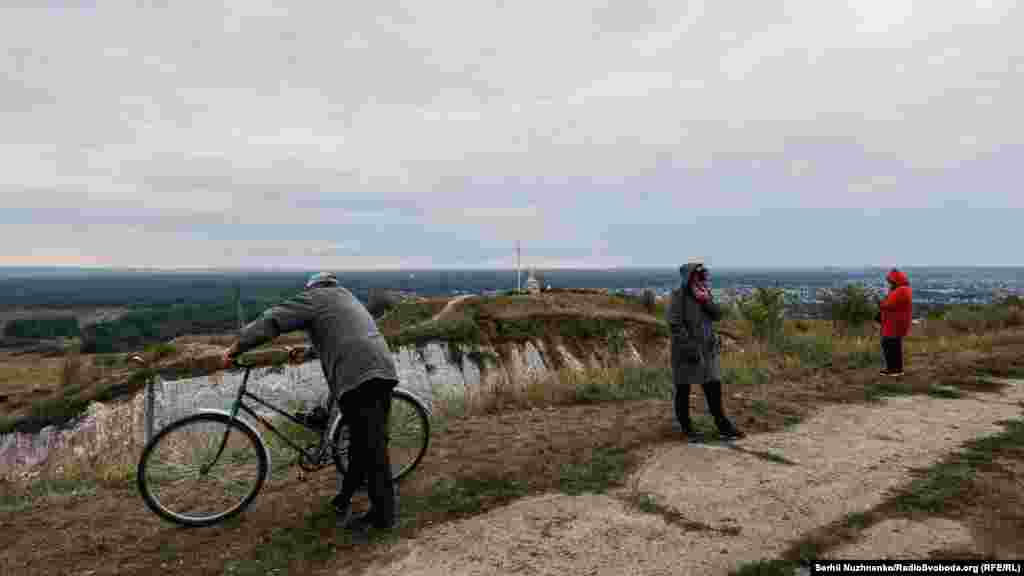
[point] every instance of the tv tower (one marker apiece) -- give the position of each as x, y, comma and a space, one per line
518, 256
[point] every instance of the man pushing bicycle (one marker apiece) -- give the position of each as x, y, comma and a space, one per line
361, 374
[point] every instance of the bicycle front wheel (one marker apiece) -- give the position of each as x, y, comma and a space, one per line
186, 477
408, 435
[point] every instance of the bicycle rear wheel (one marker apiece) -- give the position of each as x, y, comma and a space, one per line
183, 480
408, 436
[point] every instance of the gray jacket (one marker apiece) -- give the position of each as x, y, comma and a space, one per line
341, 330
686, 317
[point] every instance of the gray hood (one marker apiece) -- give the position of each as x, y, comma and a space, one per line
686, 272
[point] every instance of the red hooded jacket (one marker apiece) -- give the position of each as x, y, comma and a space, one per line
896, 309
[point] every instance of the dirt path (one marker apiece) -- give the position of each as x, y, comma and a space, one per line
718, 507
449, 307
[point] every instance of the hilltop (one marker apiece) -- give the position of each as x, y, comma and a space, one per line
608, 468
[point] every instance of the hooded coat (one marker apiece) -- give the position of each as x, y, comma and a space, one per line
687, 319
897, 308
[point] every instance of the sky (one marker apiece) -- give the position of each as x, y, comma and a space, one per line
382, 135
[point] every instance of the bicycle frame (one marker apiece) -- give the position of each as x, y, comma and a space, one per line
239, 405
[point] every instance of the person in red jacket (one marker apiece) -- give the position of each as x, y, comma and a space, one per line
895, 315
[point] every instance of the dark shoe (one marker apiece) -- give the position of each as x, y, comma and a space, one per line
884, 372
364, 522
694, 437
894, 373
727, 431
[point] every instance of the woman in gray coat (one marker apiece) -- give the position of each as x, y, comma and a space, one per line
696, 350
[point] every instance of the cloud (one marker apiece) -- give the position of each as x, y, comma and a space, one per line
404, 131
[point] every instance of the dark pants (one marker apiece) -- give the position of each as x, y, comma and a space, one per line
713, 393
892, 349
366, 410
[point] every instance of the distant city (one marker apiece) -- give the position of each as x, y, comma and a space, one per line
804, 289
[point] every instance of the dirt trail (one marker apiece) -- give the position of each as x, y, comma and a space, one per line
449, 307
723, 506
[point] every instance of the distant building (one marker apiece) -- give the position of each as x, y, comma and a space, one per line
532, 284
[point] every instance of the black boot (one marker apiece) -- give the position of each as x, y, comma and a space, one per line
726, 429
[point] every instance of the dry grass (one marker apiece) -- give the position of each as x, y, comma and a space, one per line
102, 452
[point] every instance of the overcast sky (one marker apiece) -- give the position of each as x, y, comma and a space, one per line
435, 134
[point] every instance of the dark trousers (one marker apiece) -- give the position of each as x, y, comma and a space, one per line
892, 349
713, 393
366, 410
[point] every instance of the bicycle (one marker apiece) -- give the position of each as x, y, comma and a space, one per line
224, 453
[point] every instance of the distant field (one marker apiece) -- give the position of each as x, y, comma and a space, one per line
85, 314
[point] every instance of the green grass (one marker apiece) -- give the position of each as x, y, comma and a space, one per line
942, 391
863, 359
930, 493
744, 376
40, 490
585, 328
875, 392
946, 479
518, 329
706, 425
482, 358
286, 544
410, 313
857, 520
789, 421
777, 458
464, 496
766, 568
161, 350
461, 331
638, 383
646, 503
606, 468
815, 351
759, 408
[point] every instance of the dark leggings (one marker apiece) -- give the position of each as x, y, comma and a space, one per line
713, 393
892, 349
366, 410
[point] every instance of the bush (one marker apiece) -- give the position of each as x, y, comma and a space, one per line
764, 310
852, 307
975, 319
452, 332
43, 328
161, 350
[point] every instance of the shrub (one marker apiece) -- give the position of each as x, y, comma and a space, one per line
453, 332
976, 319
43, 328
764, 310
813, 351
161, 350
852, 307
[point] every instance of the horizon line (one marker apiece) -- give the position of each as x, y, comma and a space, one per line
281, 269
